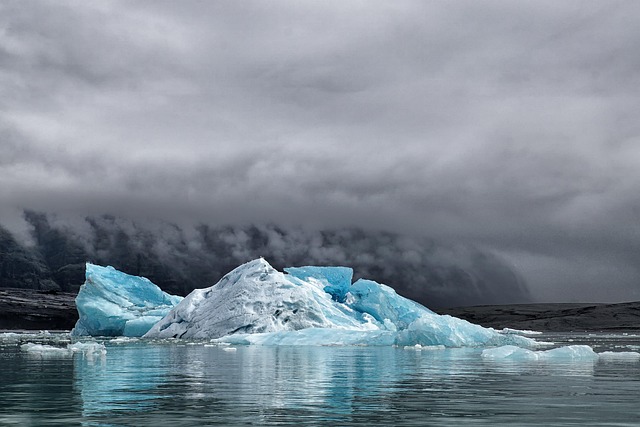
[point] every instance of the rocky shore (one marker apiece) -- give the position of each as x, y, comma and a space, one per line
35, 310
553, 317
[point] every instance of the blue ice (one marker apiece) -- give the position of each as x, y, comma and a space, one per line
383, 303
112, 303
256, 304
336, 280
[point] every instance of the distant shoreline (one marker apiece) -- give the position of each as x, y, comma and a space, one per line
553, 317
27, 309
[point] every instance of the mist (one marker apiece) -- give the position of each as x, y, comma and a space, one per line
182, 258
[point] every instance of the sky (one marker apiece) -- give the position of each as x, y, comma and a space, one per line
512, 126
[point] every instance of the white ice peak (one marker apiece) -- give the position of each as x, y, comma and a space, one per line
256, 298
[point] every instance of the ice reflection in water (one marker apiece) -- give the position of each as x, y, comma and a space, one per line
178, 383
257, 384
120, 383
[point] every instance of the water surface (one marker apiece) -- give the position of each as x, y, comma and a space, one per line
181, 383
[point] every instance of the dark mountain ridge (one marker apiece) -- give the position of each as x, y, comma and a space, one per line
180, 259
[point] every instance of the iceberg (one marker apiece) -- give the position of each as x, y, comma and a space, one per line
256, 304
112, 303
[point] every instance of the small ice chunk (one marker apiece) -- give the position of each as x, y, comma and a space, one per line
88, 349
620, 356
45, 349
10, 336
416, 347
433, 347
510, 352
519, 331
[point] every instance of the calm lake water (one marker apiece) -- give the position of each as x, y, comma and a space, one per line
179, 383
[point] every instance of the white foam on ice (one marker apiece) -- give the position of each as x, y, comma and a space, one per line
123, 340
419, 347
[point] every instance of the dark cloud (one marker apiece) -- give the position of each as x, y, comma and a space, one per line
508, 126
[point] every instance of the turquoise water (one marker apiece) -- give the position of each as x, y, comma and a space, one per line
177, 383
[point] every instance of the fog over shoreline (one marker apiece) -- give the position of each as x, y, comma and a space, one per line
182, 258
510, 128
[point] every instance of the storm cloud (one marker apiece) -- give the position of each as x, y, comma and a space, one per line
511, 126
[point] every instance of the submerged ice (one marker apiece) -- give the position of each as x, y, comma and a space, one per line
256, 304
112, 303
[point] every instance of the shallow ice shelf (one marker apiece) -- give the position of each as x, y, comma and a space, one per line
112, 303
256, 304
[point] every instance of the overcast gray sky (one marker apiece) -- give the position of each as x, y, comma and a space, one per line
510, 125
